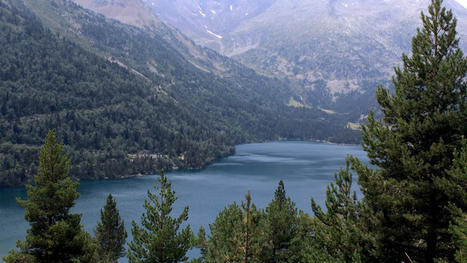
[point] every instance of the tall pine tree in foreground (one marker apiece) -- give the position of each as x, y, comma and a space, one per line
252, 243
459, 226
282, 230
55, 234
342, 232
237, 235
412, 193
160, 238
223, 243
110, 232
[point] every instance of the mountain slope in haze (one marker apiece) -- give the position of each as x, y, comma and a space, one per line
210, 61
126, 100
129, 12
336, 51
136, 13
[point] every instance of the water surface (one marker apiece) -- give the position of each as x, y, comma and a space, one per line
306, 168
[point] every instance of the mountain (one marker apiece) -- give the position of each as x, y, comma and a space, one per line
336, 51
136, 13
130, 99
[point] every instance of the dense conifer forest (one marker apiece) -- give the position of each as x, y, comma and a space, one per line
92, 80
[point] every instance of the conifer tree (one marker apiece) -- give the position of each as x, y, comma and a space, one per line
110, 232
413, 145
201, 243
237, 235
252, 242
282, 229
341, 233
222, 245
160, 238
55, 235
458, 227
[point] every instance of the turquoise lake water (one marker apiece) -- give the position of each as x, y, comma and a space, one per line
306, 168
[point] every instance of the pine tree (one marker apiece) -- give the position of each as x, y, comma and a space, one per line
237, 235
413, 146
55, 235
110, 232
341, 233
251, 244
282, 229
201, 243
222, 245
458, 227
160, 239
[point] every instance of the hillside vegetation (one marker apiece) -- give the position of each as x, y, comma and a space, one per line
125, 101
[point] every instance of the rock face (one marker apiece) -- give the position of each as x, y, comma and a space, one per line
139, 14
337, 47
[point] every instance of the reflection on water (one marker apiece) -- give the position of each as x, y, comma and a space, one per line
306, 169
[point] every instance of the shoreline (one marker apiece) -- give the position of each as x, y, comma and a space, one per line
123, 177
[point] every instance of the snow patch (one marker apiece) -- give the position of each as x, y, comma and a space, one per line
213, 12
201, 11
231, 8
214, 34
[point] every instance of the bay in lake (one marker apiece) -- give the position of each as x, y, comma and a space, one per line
306, 168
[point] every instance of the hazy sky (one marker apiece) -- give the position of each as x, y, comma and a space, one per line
463, 2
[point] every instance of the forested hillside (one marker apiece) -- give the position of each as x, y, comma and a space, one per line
124, 101
102, 111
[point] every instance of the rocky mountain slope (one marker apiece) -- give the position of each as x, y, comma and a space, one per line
336, 51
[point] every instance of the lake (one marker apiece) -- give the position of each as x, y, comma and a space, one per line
305, 167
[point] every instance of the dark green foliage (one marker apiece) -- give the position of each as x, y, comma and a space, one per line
459, 232
110, 232
458, 226
237, 235
55, 234
160, 238
223, 243
201, 243
412, 193
341, 233
19, 257
92, 252
244, 233
282, 230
